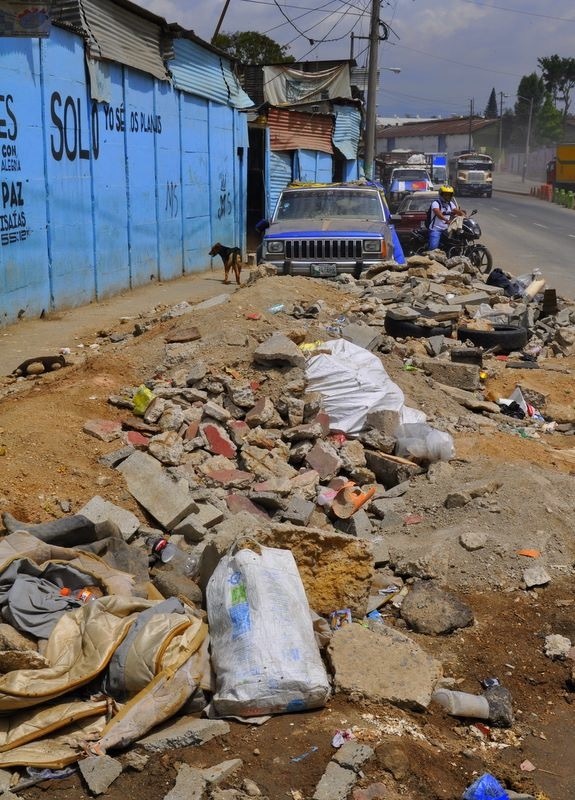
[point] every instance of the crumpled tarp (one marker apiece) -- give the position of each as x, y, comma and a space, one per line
163, 663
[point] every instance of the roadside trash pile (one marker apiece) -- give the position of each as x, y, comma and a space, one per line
258, 567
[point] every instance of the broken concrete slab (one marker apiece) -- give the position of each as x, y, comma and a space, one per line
100, 510
99, 772
353, 755
166, 499
362, 335
462, 376
391, 470
190, 784
278, 349
336, 783
185, 732
392, 667
211, 302
220, 772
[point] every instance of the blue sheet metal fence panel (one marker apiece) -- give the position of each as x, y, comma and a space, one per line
313, 167
102, 196
168, 182
280, 172
347, 130
69, 145
223, 186
207, 74
195, 182
110, 178
24, 276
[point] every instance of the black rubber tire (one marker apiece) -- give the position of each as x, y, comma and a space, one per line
506, 337
404, 329
480, 257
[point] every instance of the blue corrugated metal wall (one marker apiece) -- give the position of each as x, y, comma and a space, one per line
314, 166
100, 197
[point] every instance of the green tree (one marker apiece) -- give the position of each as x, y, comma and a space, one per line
251, 47
559, 79
491, 111
548, 126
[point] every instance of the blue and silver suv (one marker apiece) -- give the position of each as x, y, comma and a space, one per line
328, 229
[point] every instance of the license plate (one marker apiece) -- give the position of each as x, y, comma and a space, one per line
323, 270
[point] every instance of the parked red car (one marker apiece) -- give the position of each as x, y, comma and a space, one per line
411, 213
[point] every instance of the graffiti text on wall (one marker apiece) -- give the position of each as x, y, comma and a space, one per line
139, 121
172, 199
71, 138
12, 216
225, 202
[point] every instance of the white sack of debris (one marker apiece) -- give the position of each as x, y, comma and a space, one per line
353, 382
264, 653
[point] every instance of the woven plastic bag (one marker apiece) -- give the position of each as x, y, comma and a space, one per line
264, 654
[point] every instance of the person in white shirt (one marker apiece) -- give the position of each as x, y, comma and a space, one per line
443, 210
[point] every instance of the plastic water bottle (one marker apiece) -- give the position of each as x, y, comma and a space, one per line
165, 551
84, 595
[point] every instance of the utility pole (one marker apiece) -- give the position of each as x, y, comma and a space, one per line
370, 116
470, 125
501, 96
221, 19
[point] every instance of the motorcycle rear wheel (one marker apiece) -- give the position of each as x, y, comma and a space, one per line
480, 257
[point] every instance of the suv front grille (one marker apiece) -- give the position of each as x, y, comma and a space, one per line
328, 249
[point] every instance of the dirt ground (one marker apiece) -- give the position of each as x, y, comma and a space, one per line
48, 465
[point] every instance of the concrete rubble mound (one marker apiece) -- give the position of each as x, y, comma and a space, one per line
216, 459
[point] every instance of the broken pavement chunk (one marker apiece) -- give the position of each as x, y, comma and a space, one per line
392, 667
166, 499
278, 349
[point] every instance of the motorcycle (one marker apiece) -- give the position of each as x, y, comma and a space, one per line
458, 242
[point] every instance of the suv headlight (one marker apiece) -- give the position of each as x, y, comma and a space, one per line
372, 246
274, 246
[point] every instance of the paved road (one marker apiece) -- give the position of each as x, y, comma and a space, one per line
523, 233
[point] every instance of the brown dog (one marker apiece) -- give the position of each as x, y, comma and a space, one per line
232, 258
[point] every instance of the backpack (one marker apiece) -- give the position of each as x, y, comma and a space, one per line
429, 216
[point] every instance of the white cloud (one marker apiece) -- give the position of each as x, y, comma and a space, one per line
448, 51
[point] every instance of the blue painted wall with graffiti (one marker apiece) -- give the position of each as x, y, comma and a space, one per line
100, 197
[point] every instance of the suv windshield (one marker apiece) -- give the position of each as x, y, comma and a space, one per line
310, 204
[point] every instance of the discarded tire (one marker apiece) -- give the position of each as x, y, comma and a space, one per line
506, 337
404, 328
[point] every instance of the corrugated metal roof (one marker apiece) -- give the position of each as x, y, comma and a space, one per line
292, 130
118, 31
347, 130
205, 73
434, 127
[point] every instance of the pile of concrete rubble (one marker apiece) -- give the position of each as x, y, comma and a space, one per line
212, 454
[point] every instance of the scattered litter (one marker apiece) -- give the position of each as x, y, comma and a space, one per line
529, 553
485, 788
527, 766
341, 737
337, 619
275, 309
313, 749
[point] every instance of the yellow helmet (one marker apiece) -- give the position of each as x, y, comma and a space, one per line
447, 190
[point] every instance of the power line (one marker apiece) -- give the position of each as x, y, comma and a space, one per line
304, 35
520, 11
459, 63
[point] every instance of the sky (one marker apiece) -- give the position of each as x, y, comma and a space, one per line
451, 53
